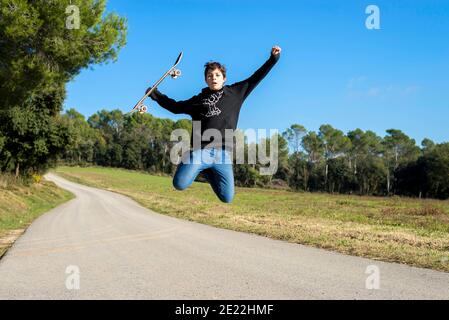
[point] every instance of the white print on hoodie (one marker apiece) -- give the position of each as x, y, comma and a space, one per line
211, 103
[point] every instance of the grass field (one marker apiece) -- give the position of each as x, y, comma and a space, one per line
20, 205
403, 230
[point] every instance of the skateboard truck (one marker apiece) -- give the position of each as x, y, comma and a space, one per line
175, 74
143, 108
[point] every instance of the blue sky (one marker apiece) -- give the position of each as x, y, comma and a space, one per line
332, 70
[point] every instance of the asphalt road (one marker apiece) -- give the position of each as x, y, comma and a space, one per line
102, 245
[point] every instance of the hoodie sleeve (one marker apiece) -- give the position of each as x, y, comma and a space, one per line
246, 86
176, 107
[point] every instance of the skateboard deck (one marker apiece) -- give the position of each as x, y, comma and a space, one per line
173, 72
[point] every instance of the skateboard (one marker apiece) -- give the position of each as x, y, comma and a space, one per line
173, 72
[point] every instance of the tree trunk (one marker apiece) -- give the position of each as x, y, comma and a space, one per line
388, 182
396, 157
17, 170
163, 158
325, 179
306, 178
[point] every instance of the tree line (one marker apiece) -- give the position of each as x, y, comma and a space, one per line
359, 162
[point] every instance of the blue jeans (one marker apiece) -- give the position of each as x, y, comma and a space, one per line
217, 166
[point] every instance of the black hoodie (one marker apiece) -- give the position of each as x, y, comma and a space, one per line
216, 109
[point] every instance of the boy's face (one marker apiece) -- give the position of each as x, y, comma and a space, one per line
215, 79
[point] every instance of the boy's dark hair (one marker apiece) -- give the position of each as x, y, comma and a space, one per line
212, 65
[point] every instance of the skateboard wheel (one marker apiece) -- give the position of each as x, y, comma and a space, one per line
176, 73
143, 109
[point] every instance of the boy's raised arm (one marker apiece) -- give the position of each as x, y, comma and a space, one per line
249, 84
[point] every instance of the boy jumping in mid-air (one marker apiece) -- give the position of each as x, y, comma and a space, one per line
216, 107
